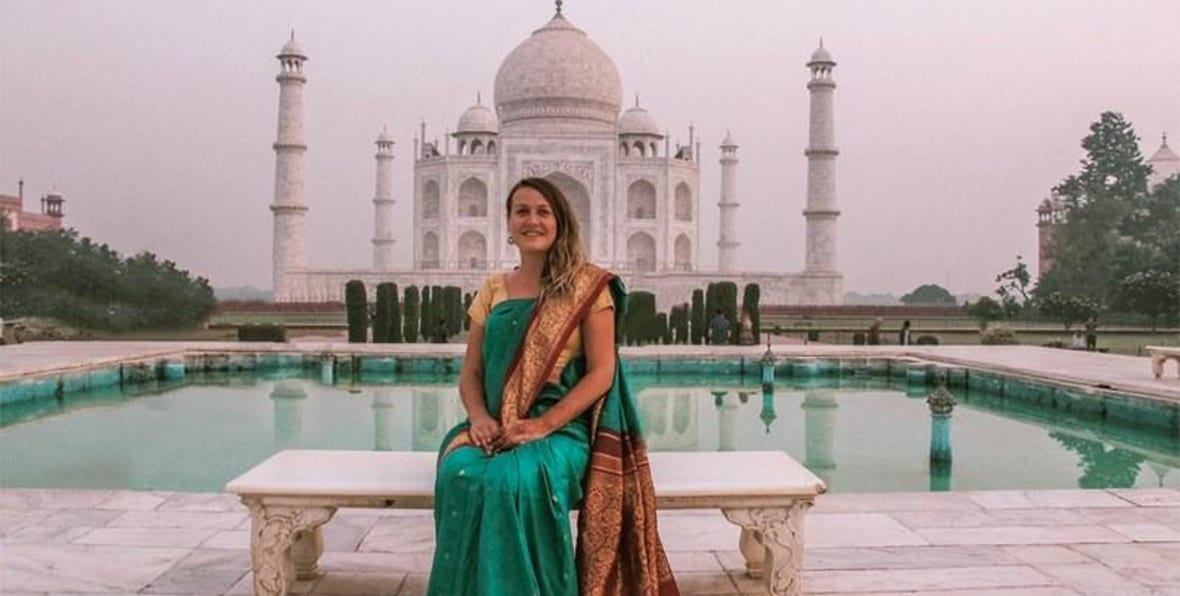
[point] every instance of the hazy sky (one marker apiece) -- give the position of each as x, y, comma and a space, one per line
954, 118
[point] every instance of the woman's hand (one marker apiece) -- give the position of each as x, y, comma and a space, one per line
519, 433
484, 430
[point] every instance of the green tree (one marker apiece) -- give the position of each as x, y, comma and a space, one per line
57, 274
381, 314
1109, 223
410, 315
985, 310
1013, 288
357, 306
453, 301
1068, 309
929, 294
1153, 293
426, 313
697, 317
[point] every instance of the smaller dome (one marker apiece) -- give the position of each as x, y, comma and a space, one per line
477, 118
292, 48
728, 140
821, 55
1164, 153
638, 121
384, 136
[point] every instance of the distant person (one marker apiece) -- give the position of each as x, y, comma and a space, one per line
903, 336
1092, 335
440, 333
874, 337
1078, 343
719, 329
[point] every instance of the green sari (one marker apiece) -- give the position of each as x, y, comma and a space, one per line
502, 521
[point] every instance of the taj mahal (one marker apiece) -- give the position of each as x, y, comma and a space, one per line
557, 104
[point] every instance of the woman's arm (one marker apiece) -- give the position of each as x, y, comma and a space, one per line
484, 428
598, 342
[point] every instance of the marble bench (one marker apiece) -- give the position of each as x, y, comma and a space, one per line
1160, 354
294, 493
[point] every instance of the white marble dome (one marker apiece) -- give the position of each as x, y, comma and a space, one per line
821, 55
638, 121
477, 118
558, 73
292, 48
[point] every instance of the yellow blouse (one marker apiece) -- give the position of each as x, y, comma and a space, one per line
495, 291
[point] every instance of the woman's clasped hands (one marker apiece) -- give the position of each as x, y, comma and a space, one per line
488, 435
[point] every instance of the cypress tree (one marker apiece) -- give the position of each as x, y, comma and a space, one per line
664, 329
425, 313
410, 316
381, 316
453, 300
698, 317
356, 304
727, 302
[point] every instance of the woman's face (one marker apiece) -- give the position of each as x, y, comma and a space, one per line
531, 221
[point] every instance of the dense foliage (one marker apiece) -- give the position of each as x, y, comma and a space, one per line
723, 295
1114, 226
410, 315
387, 317
57, 274
929, 294
357, 307
697, 317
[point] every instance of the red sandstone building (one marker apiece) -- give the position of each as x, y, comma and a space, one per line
16, 218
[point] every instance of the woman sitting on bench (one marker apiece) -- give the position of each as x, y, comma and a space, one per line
551, 425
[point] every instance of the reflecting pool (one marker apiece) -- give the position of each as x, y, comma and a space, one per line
859, 435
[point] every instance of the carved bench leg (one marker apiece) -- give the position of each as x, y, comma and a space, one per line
306, 551
780, 530
273, 532
1157, 366
750, 544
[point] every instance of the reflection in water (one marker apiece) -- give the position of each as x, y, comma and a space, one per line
819, 423
669, 420
767, 415
1101, 467
384, 431
287, 398
436, 411
726, 418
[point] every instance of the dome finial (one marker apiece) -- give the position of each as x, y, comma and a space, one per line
292, 34
1165, 139
478, 98
821, 41
558, 2
637, 105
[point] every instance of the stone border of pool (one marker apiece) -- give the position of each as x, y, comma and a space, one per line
1115, 387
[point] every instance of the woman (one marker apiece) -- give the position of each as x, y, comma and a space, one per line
550, 425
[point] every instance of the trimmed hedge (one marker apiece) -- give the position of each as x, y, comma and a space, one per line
452, 299
276, 333
750, 297
410, 316
357, 305
383, 319
697, 332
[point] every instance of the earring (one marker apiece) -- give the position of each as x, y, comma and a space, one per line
512, 240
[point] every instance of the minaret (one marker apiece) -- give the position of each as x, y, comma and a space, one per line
727, 238
383, 205
821, 152
290, 203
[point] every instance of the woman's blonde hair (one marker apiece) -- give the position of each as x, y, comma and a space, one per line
566, 256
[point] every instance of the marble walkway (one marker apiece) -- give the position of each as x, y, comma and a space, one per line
1026, 543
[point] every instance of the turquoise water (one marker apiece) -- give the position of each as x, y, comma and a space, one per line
860, 435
